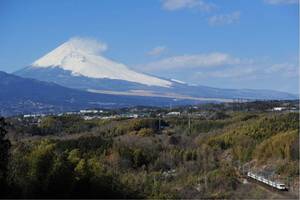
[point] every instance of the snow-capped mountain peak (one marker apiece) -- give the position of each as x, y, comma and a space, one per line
83, 57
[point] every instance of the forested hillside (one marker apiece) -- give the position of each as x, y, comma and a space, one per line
170, 157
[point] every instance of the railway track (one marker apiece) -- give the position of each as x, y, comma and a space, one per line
285, 194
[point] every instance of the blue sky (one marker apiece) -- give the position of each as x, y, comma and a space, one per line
219, 43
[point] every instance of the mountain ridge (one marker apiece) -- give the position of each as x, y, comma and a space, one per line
79, 64
24, 95
64, 78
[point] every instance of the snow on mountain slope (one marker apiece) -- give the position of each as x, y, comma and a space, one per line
178, 81
83, 57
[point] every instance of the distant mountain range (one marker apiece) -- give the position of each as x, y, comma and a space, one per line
75, 75
23, 95
78, 64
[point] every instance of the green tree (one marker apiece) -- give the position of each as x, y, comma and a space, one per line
4, 154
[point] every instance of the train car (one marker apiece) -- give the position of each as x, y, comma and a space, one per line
274, 184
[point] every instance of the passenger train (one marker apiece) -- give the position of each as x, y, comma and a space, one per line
274, 184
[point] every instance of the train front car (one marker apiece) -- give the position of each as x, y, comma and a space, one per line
281, 186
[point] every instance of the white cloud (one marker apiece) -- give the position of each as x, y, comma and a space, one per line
254, 70
173, 5
192, 61
156, 51
222, 66
225, 19
225, 70
278, 2
286, 69
232, 72
89, 44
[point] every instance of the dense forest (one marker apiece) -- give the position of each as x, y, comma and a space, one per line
169, 157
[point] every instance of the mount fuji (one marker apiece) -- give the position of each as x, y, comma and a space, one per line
79, 64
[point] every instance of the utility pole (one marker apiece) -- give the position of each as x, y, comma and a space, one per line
205, 172
189, 123
159, 123
243, 169
288, 181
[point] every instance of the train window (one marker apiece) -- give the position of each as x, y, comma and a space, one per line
281, 185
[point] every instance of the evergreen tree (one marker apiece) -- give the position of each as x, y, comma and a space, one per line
4, 148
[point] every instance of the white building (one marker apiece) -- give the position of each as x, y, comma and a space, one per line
279, 108
174, 113
90, 111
